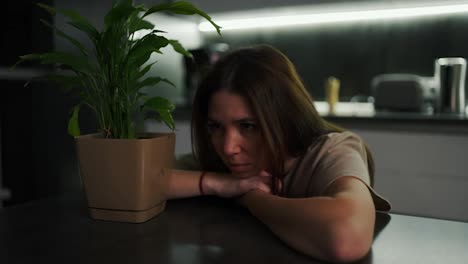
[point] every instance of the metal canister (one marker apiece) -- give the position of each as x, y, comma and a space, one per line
451, 74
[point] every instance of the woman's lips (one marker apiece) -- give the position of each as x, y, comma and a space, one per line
239, 167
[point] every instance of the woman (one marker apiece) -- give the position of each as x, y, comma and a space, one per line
258, 138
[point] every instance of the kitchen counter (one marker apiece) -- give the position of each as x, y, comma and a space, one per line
363, 116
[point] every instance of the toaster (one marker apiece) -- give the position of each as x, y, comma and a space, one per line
404, 92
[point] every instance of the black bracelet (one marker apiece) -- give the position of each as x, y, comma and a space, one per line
200, 183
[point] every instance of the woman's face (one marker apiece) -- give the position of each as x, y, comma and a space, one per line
235, 134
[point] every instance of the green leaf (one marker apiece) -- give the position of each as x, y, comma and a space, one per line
150, 42
182, 8
122, 2
81, 23
73, 124
67, 82
92, 33
33, 56
164, 108
67, 37
47, 8
121, 11
178, 47
167, 118
137, 62
151, 81
24, 58
143, 71
160, 103
78, 21
143, 48
77, 63
139, 24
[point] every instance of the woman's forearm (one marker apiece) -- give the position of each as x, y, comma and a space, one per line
328, 228
184, 184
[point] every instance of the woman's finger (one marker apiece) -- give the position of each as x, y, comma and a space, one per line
264, 173
264, 187
279, 184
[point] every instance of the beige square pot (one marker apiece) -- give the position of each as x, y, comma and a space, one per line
126, 180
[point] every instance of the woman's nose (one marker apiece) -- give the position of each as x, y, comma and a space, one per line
232, 143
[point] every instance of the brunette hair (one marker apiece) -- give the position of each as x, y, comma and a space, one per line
268, 80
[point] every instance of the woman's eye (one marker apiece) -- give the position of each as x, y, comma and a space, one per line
248, 126
213, 127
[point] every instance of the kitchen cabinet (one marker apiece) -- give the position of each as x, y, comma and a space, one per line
421, 173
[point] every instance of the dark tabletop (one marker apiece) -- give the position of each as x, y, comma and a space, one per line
200, 230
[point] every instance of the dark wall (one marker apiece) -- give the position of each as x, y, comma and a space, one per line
38, 156
355, 53
21, 31
22, 173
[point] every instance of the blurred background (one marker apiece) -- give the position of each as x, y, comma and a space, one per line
418, 146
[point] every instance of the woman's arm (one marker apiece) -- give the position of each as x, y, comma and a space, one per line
184, 183
337, 227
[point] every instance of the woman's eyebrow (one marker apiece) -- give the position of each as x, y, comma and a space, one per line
247, 119
243, 119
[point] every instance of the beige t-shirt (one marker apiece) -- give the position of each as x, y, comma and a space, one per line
330, 157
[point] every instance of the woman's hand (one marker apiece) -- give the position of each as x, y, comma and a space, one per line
228, 185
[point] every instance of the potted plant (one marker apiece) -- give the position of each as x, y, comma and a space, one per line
124, 173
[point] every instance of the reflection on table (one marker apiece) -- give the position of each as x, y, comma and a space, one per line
200, 230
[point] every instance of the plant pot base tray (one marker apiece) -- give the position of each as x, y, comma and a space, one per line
126, 216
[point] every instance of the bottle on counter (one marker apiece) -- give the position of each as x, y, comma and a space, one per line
332, 92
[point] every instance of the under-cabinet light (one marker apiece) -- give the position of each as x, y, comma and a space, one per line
376, 13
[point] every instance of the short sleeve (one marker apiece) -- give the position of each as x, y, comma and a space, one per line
343, 155
346, 155
333, 156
